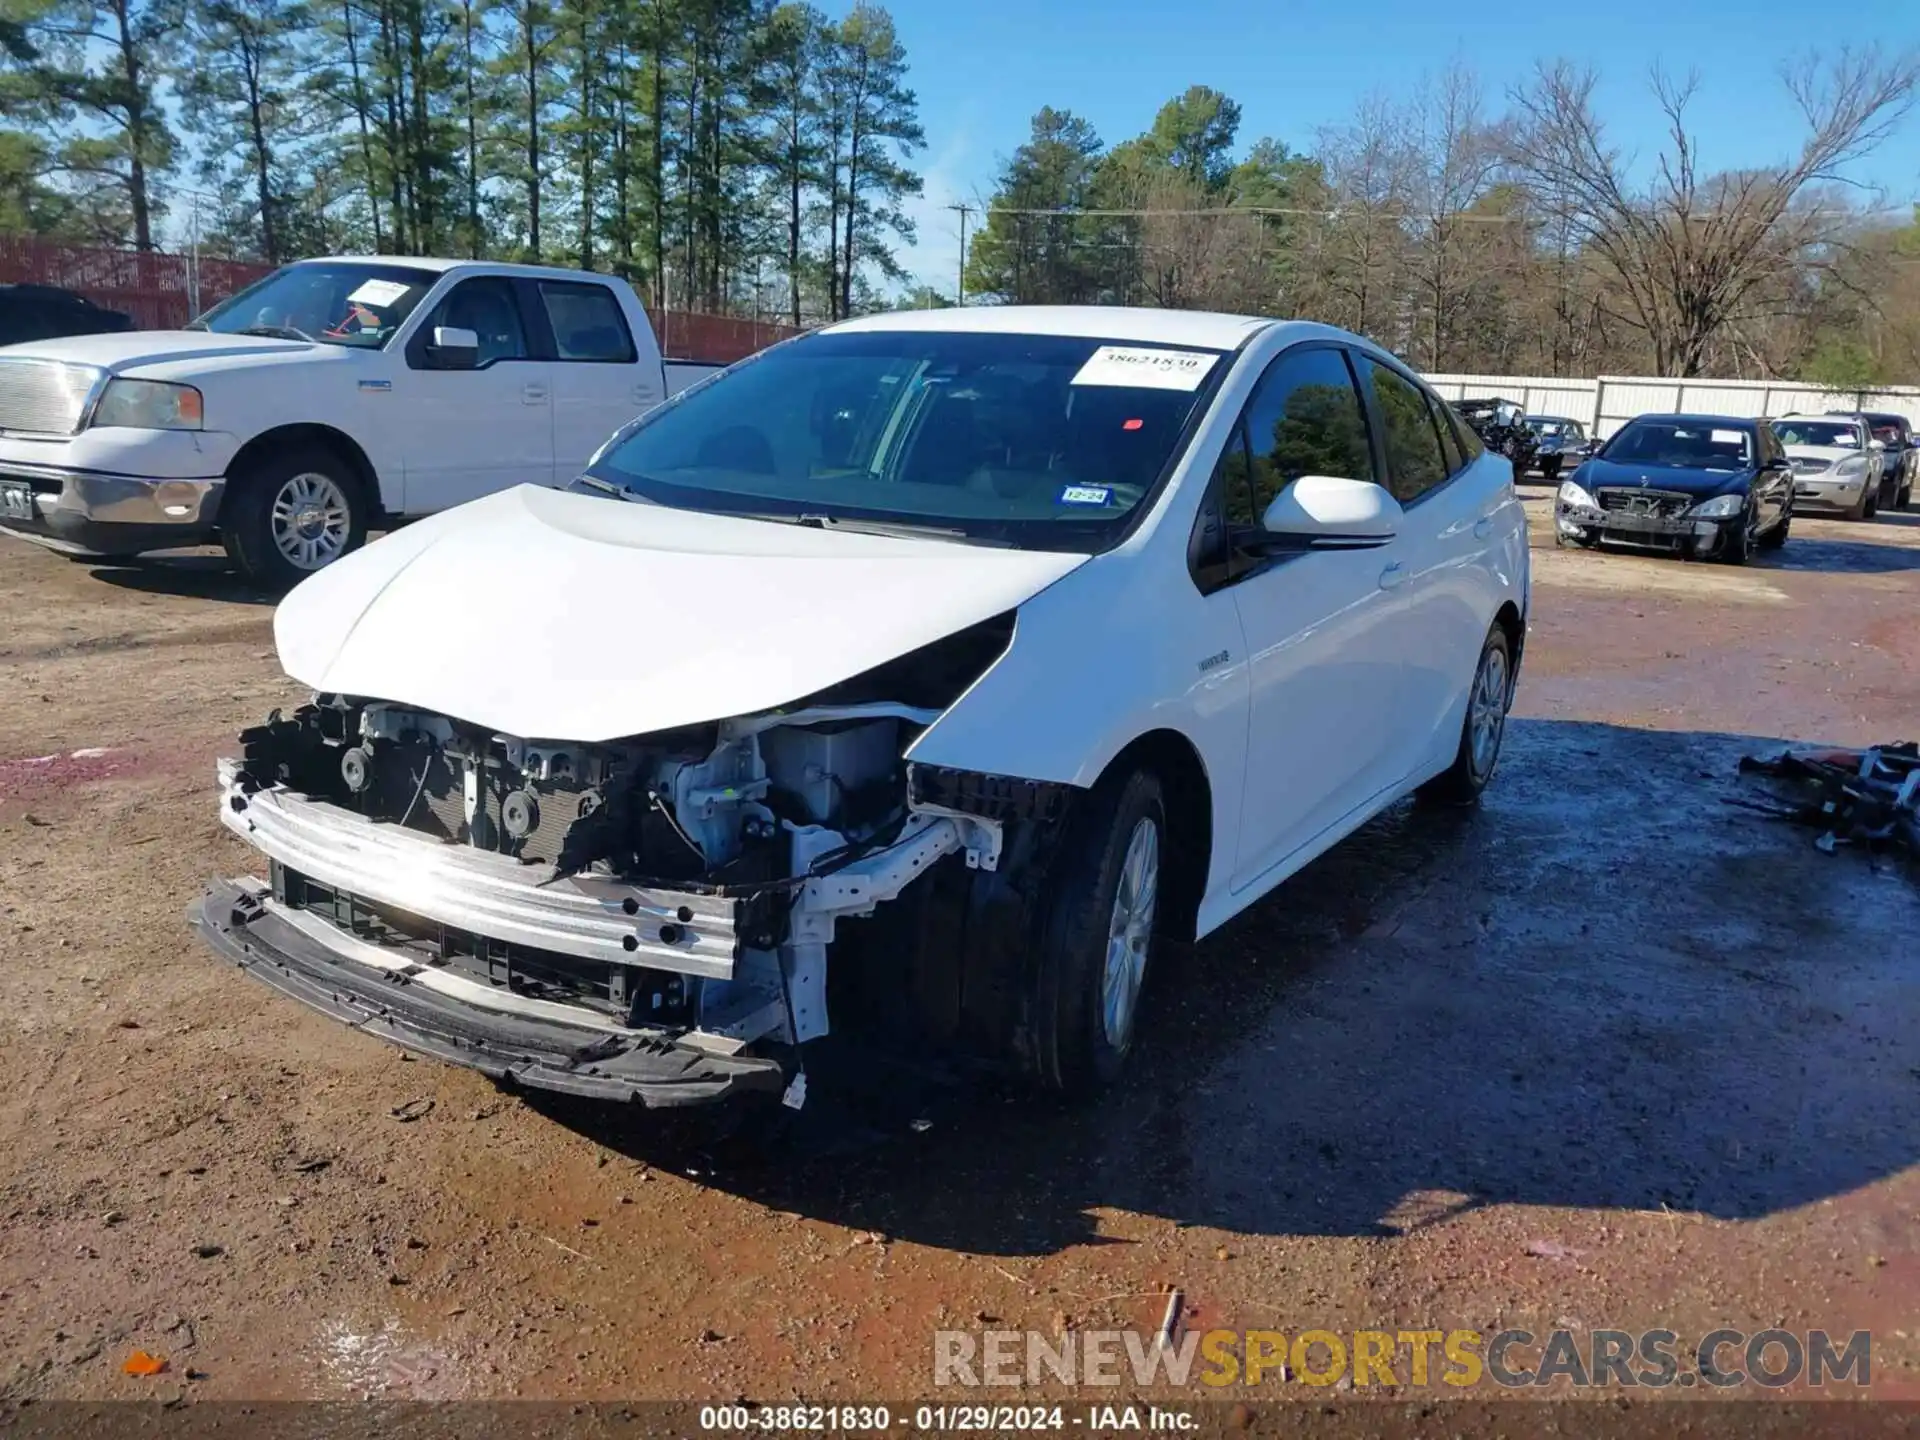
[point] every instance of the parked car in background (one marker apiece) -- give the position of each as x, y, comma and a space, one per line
332, 395
1837, 462
1040, 636
45, 312
1705, 486
1501, 426
1901, 458
1559, 443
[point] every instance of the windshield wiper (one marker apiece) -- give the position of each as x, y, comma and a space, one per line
195, 325
607, 487
278, 332
902, 530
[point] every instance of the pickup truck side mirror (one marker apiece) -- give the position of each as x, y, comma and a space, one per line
452, 348
1328, 512
1876, 444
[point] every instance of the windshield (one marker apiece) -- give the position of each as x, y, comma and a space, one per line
1045, 441
1561, 429
333, 302
1682, 444
1818, 432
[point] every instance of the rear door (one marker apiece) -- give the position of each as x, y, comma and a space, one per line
1446, 596
467, 433
603, 375
1324, 659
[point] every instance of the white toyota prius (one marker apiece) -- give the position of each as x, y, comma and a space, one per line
928, 673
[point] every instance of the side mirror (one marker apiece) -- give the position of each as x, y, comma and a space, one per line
1326, 512
1876, 444
452, 348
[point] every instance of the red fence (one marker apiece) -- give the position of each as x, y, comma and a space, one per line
152, 287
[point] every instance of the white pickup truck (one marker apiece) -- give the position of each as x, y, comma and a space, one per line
332, 395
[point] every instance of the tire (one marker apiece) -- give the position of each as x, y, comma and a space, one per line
1473, 764
261, 519
1087, 996
1861, 507
1777, 536
1740, 544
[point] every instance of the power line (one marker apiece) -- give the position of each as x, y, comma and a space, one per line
1341, 212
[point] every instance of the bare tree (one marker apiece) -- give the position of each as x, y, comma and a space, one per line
1687, 253
1359, 251
1452, 157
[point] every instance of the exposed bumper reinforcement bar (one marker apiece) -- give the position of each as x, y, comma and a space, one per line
586, 916
515, 1048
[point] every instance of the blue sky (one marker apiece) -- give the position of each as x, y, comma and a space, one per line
982, 67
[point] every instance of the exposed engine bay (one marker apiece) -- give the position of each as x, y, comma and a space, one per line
669, 893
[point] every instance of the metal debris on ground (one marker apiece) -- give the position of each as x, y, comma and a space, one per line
1865, 797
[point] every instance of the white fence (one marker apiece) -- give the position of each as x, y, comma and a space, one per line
1605, 404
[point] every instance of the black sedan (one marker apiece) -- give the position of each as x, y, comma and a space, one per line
1707, 486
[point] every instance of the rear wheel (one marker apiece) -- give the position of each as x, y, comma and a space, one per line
291, 514
1100, 935
1482, 730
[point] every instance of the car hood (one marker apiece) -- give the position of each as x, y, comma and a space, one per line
553, 615
136, 349
1824, 452
1631, 475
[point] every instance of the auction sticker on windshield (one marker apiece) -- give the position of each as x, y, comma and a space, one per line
378, 292
1145, 369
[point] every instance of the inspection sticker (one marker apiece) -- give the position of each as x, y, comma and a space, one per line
1728, 437
1085, 495
379, 293
1146, 369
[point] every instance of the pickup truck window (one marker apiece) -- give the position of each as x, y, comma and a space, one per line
587, 323
329, 302
485, 305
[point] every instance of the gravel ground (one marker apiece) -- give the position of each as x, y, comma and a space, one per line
1606, 1053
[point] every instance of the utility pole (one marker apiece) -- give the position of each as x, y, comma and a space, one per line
964, 211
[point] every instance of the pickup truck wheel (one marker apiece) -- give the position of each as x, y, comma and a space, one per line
1099, 936
1482, 729
290, 514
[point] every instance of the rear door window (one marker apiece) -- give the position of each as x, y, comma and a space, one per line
587, 322
1410, 435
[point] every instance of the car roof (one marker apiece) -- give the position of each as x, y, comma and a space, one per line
1853, 415
1092, 322
440, 265
1557, 419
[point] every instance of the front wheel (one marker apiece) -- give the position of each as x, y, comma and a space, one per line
1483, 729
290, 514
1777, 536
1739, 544
1099, 936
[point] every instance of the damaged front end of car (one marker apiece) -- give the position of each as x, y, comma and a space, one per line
644, 919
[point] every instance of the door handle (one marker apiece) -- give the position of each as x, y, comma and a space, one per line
1483, 527
534, 394
1392, 575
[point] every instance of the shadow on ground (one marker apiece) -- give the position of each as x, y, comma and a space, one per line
1606, 988
1840, 557
193, 577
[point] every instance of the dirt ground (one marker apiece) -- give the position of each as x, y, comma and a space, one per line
1608, 1052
